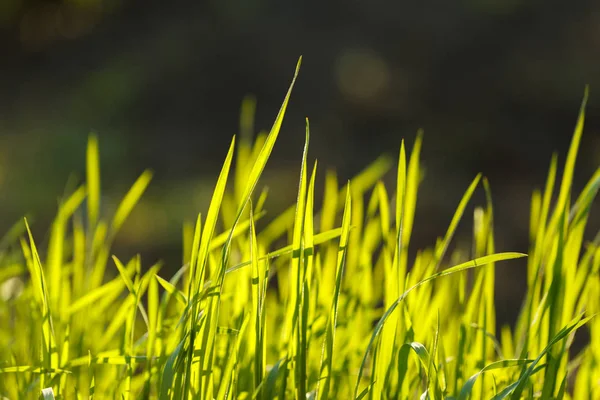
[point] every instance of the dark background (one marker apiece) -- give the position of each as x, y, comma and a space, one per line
496, 84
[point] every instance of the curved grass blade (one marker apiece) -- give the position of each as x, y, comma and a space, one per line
259, 283
130, 200
465, 392
93, 181
478, 262
211, 218
265, 152
123, 210
575, 324
319, 238
50, 350
567, 179
443, 245
213, 308
171, 289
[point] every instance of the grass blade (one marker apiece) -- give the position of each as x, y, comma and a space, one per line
93, 180
325, 374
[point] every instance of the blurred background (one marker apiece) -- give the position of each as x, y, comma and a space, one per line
495, 84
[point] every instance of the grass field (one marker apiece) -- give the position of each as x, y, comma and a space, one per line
324, 302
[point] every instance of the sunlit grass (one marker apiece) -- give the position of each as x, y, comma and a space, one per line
340, 312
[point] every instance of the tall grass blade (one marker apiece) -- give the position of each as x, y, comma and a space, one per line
326, 369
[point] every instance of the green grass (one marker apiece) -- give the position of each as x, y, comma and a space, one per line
351, 314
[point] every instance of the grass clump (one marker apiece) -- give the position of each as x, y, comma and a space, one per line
350, 315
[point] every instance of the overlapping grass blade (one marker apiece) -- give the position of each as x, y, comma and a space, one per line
326, 369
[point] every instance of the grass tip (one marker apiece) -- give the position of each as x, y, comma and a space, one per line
298, 67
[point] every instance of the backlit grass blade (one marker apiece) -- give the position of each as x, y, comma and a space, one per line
291, 335
201, 263
212, 216
490, 273
187, 239
443, 245
130, 200
123, 272
219, 240
265, 152
253, 177
534, 262
413, 178
259, 282
544, 212
123, 210
361, 182
401, 192
395, 274
191, 275
465, 392
179, 296
319, 238
326, 369
50, 350
555, 286
114, 286
103, 296
93, 180
330, 200
117, 321
424, 358
244, 151
580, 210
433, 385
305, 288
129, 332
576, 225
326, 268
56, 246
567, 179
535, 214
368, 177
153, 325
78, 259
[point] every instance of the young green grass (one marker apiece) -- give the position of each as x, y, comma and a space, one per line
351, 315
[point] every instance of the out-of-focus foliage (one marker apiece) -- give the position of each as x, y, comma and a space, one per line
41, 22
